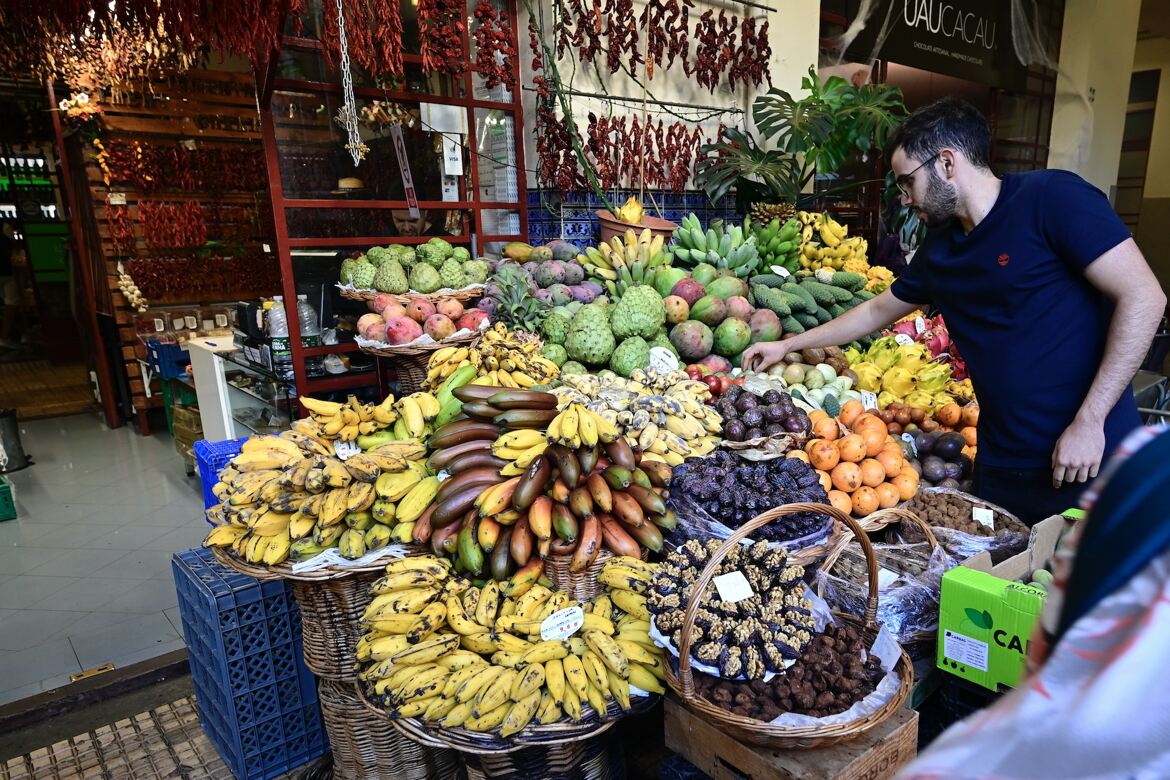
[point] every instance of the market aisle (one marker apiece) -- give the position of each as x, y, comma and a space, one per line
85, 572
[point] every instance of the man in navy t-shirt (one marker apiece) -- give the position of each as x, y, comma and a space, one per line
1044, 292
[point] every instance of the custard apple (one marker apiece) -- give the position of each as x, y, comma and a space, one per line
590, 340
640, 312
632, 353
452, 274
362, 275
460, 254
555, 328
573, 367
663, 340
475, 271
378, 255
555, 352
391, 278
345, 275
425, 279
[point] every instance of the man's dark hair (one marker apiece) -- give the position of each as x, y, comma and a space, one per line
950, 122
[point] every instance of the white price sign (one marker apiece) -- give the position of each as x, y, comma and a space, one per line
869, 399
982, 514
733, 587
345, 449
562, 624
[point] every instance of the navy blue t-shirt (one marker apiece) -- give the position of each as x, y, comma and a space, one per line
1018, 307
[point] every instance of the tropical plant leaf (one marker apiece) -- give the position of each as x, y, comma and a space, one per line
737, 156
796, 126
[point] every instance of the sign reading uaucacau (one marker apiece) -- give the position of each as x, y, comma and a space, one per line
967, 39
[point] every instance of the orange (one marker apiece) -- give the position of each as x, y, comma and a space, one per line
826, 480
888, 495
852, 448
799, 455
905, 485
826, 428
850, 412
970, 435
865, 501
841, 501
872, 473
874, 440
846, 477
823, 454
891, 460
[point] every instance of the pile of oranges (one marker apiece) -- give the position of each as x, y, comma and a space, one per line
861, 466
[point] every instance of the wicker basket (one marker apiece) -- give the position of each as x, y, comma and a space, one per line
463, 295
766, 734
598, 758
881, 519
582, 585
365, 746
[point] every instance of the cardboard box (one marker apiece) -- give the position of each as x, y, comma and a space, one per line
877, 754
187, 417
987, 615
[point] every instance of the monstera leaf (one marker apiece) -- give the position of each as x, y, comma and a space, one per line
736, 158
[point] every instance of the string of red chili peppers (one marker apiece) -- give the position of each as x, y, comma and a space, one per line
493, 36
163, 278
373, 31
441, 28
168, 225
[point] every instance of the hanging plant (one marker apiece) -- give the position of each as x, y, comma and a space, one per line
441, 30
495, 47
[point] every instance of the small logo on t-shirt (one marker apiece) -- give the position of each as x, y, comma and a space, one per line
1003, 259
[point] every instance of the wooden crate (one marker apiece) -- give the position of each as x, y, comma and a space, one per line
877, 755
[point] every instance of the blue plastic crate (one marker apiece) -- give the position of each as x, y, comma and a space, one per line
257, 700
210, 457
167, 361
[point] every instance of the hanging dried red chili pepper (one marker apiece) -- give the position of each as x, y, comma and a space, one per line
495, 47
441, 28
373, 31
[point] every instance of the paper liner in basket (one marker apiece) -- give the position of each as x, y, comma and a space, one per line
333, 557
766, 447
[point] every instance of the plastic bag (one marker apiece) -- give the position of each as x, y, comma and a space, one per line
962, 545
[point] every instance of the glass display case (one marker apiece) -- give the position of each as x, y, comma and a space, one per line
238, 395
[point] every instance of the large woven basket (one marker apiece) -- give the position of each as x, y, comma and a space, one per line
597, 758
580, 585
365, 746
463, 295
766, 734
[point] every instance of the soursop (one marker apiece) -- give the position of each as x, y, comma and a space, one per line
640, 312
555, 328
589, 340
362, 275
475, 271
391, 278
425, 279
452, 274
555, 352
632, 353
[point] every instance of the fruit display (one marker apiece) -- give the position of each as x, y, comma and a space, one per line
806, 300
943, 458
625, 261
664, 414
396, 323
529, 481
427, 268
723, 248
618, 336
502, 357
824, 244
778, 242
459, 656
290, 495
732, 491
862, 467
932, 332
951, 509
745, 639
901, 374
835, 672
748, 416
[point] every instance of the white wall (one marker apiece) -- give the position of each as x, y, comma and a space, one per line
793, 35
1154, 54
1096, 59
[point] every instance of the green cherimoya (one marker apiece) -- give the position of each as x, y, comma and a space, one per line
573, 367
452, 274
434, 251
377, 255
590, 341
391, 278
362, 275
640, 312
632, 353
555, 328
345, 275
555, 352
476, 271
425, 279
460, 254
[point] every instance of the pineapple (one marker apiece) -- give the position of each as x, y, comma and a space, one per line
516, 306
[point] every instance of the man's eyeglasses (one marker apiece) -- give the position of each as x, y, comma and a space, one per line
903, 181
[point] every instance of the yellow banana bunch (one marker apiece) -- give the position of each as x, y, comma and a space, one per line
346, 421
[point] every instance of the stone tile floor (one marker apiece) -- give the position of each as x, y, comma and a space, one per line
85, 572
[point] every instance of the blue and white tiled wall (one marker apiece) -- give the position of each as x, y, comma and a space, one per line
572, 217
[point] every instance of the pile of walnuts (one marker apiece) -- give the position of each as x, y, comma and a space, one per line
830, 677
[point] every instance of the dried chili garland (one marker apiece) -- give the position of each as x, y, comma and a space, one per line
556, 161
441, 28
623, 149
374, 36
495, 47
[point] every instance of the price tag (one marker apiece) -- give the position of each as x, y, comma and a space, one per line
192, 321
663, 360
562, 624
903, 339
909, 438
117, 199
919, 325
159, 324
780, 270
886, 577
266, 248
221, 320
869, 399
733, 587
982, 514
345, 449
188, 144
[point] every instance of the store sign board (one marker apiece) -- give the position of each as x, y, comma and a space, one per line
404, 167
967, 39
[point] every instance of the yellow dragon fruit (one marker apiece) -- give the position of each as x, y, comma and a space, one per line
913, 356
854, 356
885, 398
869, 376
933, 378
899, 381
920, 400
883, 353
942, 399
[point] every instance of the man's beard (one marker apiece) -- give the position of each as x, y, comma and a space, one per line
940, 201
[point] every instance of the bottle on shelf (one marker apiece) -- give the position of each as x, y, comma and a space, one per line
277, 326
310, 334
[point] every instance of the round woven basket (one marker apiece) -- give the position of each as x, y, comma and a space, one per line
757, 732
463, 295
580, 585
410, 350
284, 571
533, 736
365, 746
597, 758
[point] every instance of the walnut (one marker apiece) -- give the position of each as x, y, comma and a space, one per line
753, 664
731, 662
708, 652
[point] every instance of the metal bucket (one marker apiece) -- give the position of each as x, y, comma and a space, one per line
10, 440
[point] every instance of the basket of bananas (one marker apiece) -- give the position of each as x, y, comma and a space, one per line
497, 669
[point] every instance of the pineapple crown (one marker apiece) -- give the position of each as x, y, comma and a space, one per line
518, 307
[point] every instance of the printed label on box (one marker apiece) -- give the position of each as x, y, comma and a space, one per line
966, 650
733, 587
562, 624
